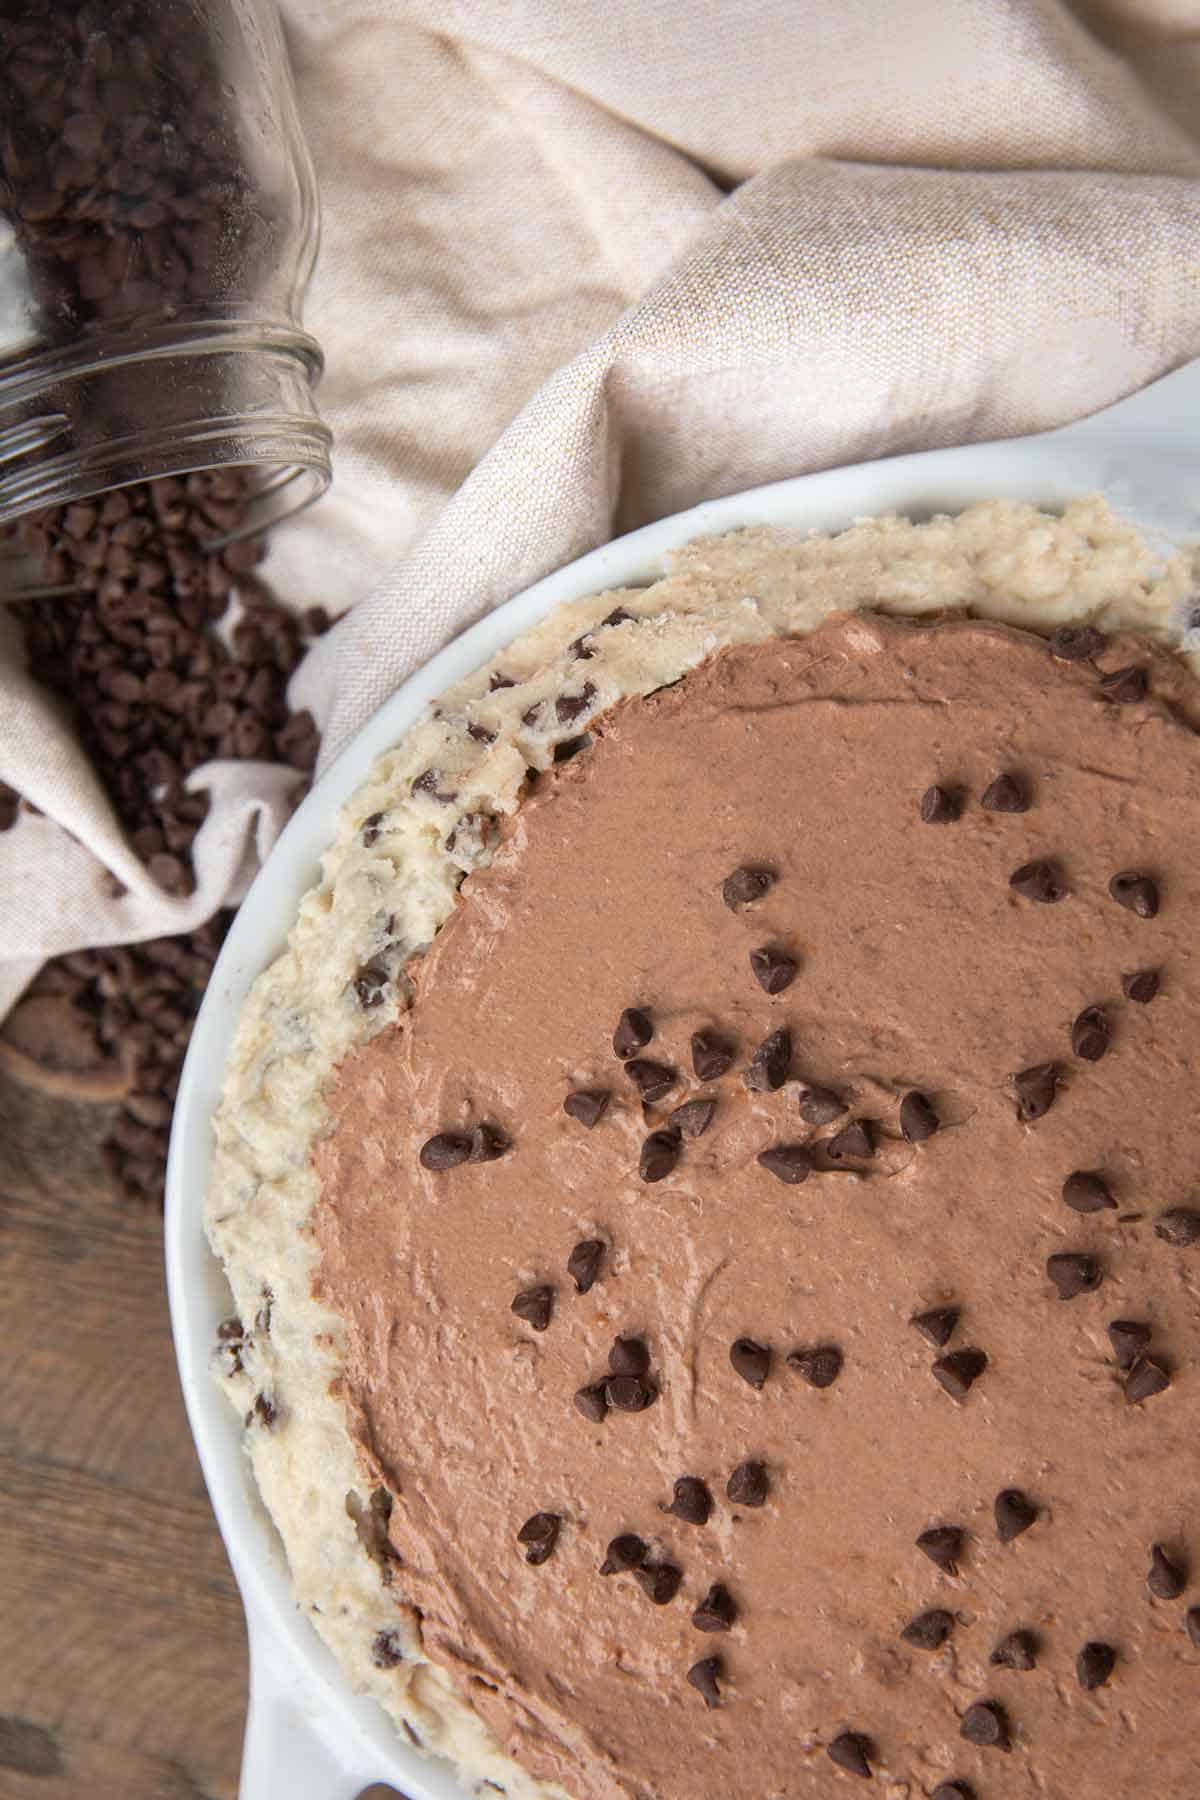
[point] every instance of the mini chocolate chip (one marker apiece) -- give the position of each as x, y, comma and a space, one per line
819, 1105
1016, 1651
1166, 1577
929, 1630
1128, 1338
652, 1080
496, 681
790, 1163
940, 806
1014, 1513
633, 1031
937, 1326
1192, 1624
659, 1581
1036, 1090
750, 1360
768, 1068
370, 984
659, 1154
429, 782
386, 1651
618, 616
717, 1611
942, 1544
1141, 985
748, 1485
1089, 1034
1146, 1378
486, 1144
711, 1055
705, 1677
772, 968
370, 830
264, 1410
1094, 1665
691, 1501
445, 1151
628, 1356
986, 1725
918, 1121
624, 1553
820, 1366
569, 707
583, 1264
953, 1790
958, 1370
1136, 892
532, 714
1086, 1191
1179, 1226
1005, 795
1037, 881
534, 1305
1125, 687
1073, 1272
586, 1104
539, 1535
1076, 643
481, 734
592, 1401
744, 886
693, 1118
630, 1393
855, 1139
852, 1751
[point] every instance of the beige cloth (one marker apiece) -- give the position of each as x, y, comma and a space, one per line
548, 318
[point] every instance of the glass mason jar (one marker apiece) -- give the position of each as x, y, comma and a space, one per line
158, 226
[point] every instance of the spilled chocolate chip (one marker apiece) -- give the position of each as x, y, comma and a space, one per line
819, 1105
717, 1611
445, 1151
929, 1630
940, 806
985, 1724
569, 707
1136, 892
693, 1118
936, 1326
1076, 643
705, 1677
958, 1370
1036, 1090
628, 1356
659, 1581
852, 1751
1094, 1664
820, 1366
1086, 1191
1179, 1226
1128, 1337
534, 1305
768, 1068
1073, 1272
790, 1163
1146, 1378
1037, 881
659, 1154
918, 1121
1014, 1513
634, 1030
370, 830
744, 886
583, 1264
942, 1544
630, 1393
1141, 985
1192, 1624
539, 1535
711, 1055
592, 1401
1089, 1034
386, 1650
1166, 1577
854, 1140
1016, 1651
1005, 795
750, 1360
625, 1552
748, 1485
691, 1501
486, 1144
587, 1105
772, 968
1124, 687
652, 1080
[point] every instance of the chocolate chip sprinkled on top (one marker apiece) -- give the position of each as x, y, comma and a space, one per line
1166, 1577
630, 1393
820, 1366
1036, 1091
659, 1582
1086, 1191
1141, 985
985, 1724
790, 1163
1073, 1272
445, 1151
918, 1121
1192, 1624
711, 1055
1016, 1651
855, 1139
936, 1326
942, 1544
539, 1535
705, 1677
1128, 1337
953, 1790
587, 1105
1136, 892
1089, 1034
659, 1154
819, 1105
748, 1485
592, 1401
929, 1630
772, 968
1124, 687
694, 1117
852, 1751
652, 1080
583, 1264
1179, 1226
1147, 1377
768, 1068
958, 1370
624, 1553
691, 1501
1094, 1664
535, 1306
717, 1611
1014, 1513
750, 1360
1076, 643
486, 1144
940, 806
744, 886
1006, 794
634, 1030
1039, 881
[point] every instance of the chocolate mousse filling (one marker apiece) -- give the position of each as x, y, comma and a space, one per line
963, 1110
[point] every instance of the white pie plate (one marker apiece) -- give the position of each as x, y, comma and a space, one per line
308, 1736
